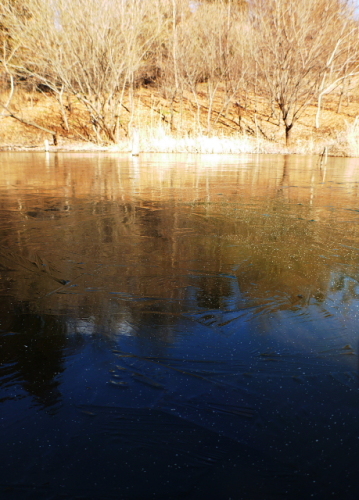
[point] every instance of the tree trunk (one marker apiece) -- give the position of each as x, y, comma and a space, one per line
319, 107
288, 134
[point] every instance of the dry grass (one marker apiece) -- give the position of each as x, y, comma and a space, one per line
160, 140
184, 128
347, 141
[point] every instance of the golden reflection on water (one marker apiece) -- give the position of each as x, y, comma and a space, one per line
89, 233
153, 177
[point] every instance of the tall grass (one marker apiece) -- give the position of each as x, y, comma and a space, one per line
160, 140
347, 142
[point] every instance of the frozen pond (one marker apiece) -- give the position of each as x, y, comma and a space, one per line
177, 326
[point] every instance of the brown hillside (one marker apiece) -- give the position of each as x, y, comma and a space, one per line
248, 116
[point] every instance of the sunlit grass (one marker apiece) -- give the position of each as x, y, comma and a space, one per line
347, 142
159, 140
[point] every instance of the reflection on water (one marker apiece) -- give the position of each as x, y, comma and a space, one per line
178, 326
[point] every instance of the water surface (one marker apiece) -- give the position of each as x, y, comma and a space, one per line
176, 326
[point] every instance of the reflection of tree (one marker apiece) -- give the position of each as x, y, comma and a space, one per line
284, 180
128, 238
34, 350
213, 292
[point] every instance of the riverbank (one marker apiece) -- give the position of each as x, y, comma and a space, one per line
159, 141
257, 131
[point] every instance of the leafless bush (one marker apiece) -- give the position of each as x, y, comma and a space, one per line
92, 49
205, 45
296, 44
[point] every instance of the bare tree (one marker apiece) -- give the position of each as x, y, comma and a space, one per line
90, 49
205, 56
7, 54
342, 63
294, 44
215, 47
169, 54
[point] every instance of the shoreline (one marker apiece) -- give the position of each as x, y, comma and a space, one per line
164, 143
